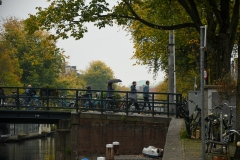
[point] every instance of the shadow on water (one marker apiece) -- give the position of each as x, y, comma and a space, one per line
32, 149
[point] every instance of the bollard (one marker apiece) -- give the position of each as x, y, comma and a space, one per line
100, 158
116, 148
109, 152
197, 136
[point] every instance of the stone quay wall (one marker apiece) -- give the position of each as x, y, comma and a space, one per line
87, 134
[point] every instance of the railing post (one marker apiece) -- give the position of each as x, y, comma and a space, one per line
176, 105
153, 104
47, 99
101, 96
168, 105
76, 101
17, 98
127, 103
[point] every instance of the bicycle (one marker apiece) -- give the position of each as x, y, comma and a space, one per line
195, 120
11, 101
212, 121
213, 138
183, 112
228, 120
92, 103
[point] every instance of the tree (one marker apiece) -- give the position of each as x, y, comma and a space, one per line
162, 87
36, 58
221, 17
97, 75
237, 151
71, 80
8, 74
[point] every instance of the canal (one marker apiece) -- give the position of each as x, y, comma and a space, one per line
31, 149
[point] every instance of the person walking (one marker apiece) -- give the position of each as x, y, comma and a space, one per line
2, 96
133, 96
146, 95
110, 89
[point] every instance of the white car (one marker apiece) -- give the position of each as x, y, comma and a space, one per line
152, 151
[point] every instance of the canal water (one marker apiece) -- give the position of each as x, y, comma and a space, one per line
31, 149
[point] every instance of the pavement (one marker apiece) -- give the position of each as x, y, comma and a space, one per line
179, 147
173, 149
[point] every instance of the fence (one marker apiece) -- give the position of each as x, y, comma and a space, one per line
82, 100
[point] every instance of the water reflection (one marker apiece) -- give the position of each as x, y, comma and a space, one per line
34, 149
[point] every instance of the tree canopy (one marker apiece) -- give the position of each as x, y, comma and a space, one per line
31, 58
97, 74
68, 18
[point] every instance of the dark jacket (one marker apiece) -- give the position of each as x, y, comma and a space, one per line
146, 90
133, 94
110, 94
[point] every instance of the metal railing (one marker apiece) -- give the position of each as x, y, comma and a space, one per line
59, 99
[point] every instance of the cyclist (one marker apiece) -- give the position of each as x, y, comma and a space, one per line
30, 93
86, 97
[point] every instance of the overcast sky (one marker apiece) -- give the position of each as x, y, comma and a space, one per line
110, 45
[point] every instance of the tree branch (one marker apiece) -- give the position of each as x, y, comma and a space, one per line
195, 11
191, 13
213, 4
234, 21
155, 26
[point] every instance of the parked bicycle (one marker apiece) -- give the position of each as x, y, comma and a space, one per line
216, 124
195, 120
183, 112
212, 128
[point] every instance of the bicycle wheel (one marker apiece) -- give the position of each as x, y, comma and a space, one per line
210, 136
122, 106
72, 105
181, 112
62, 104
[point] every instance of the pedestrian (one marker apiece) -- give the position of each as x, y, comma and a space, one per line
146, 95
2, 96
133, 96
110, 94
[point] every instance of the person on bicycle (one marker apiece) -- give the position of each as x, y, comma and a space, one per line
30, 93
88, 92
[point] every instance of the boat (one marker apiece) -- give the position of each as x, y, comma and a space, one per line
4, 137
152, 151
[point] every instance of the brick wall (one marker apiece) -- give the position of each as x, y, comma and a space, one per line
133, 133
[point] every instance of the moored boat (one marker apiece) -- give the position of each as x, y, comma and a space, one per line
4, 137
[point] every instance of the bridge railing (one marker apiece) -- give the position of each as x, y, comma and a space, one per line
60, 99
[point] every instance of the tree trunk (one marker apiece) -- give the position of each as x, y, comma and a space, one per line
237, 151
219, 58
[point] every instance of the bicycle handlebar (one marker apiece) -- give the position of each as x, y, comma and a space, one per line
232, 131
216, 108
225, 104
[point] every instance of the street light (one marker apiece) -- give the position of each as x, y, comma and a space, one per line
0, 2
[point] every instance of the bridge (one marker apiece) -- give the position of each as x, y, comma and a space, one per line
52, 104
86, 124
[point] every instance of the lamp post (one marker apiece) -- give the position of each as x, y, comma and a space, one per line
171, 69
203, 33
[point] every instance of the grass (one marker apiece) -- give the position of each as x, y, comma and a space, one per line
193, 147
183, 134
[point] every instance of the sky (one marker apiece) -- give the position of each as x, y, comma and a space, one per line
111, 45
